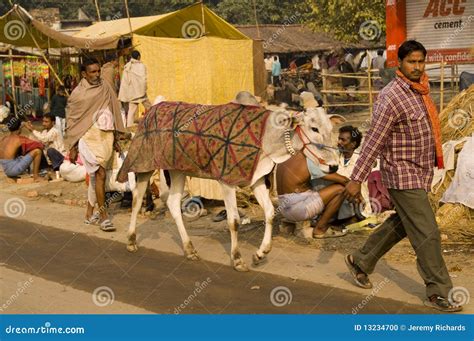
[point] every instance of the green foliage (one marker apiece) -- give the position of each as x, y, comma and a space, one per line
234, 11
344, 18
268, 11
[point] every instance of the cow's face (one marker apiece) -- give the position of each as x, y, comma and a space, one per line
318, 126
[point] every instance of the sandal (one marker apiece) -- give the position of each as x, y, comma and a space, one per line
107, 226
442, 304
360, 277
93, 220
330, 233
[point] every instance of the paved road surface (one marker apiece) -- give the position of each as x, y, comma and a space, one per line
162, 282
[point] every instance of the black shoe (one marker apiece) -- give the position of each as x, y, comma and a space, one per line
442, 304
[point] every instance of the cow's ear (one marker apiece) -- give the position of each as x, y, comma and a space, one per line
337, 119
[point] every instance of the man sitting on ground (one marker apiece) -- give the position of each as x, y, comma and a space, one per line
17, 152
348, 141
52, 140
298, 202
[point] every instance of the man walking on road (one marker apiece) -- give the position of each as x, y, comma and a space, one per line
93, 124
405, 131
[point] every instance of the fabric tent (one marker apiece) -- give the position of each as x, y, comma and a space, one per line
190, 22
19, 28
192, 54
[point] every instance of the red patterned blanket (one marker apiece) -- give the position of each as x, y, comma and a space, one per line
221, 142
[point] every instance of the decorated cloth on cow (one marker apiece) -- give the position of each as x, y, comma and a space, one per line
221, 142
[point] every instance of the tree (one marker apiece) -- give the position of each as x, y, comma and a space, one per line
268, 11
349, 21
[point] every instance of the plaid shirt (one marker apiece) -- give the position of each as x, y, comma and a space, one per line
401, 133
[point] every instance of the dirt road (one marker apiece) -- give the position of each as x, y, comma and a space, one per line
154, 281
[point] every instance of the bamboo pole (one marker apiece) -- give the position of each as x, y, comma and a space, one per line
325, 96
349, 91
98, 11
346, 104
129, 21
13, 81
452, 77
348, 75
19, 56
256, 19
441, 89
369, 74
203, 19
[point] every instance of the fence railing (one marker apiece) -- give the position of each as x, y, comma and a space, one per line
368, 88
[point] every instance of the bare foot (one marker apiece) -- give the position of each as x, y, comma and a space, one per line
40, 179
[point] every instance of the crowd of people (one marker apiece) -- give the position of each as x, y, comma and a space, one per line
404, 135
80, 133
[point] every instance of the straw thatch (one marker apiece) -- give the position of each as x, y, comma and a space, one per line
456, 122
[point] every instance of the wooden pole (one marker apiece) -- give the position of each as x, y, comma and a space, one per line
441, 88
97, 9
452, 78
325, 87
129, 21
256, 19
369, 75
13, 80
203, 19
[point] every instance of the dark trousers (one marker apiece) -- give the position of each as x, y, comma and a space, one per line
55, 157
414, 219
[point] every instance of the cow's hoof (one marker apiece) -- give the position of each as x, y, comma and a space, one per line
193, 256
132, 243
257, 260
240, 266
132, 247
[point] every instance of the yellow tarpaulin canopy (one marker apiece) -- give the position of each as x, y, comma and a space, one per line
19, 28
208, 70
191, 22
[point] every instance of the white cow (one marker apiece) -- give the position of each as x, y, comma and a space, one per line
284, 135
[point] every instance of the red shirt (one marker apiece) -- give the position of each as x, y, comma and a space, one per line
400, 133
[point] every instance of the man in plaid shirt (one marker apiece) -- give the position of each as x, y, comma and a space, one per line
405, 134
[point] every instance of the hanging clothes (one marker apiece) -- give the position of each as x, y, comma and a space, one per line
42, 86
